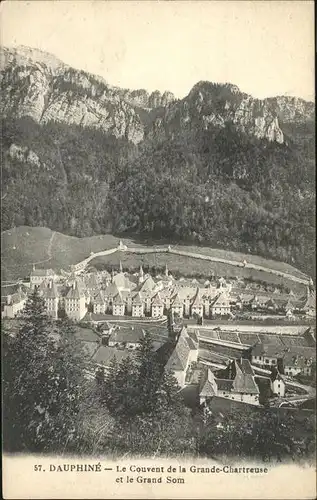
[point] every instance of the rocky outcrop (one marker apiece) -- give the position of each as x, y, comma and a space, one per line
212, 105
38, 85
23, 154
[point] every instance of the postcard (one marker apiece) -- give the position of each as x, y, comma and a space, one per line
158, 290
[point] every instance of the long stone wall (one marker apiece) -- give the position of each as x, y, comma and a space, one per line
81, 265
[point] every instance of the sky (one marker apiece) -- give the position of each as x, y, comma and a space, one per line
264, 47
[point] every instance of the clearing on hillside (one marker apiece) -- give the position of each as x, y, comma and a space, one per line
24, 246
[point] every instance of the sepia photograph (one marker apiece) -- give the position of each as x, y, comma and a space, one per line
158, 249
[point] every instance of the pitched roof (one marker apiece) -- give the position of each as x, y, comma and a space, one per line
190, 343
147, 285
99, 298
121, 281
310, 302
177, 301
207, 387
244, 377
17, 297
245, 383
75, 292
137, 299
198, 300
224, 384
189, 340
50, 291
125, 295
299, 356
275, 375
289, 305
118, 299
111, 290
193, 336
186, 292
271, 303
132, 335
269, 350
220, 301
174, 362
245, 366
180, 354
157, 301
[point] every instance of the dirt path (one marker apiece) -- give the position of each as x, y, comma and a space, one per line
49, 250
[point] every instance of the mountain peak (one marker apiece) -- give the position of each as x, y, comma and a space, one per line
23, 55
39, 85
212, 86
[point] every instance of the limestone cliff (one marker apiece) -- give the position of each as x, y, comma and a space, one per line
214, 105
38, 85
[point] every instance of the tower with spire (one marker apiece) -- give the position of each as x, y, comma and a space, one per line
141, 275
120, 267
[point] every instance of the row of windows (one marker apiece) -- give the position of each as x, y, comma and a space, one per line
266, 360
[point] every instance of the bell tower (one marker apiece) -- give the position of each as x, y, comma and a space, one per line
141, 275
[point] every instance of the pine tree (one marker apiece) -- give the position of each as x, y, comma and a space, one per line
147, 406
120, 390
148, 375
42, 381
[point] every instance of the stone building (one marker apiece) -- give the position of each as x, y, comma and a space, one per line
75, 303
236, 382
37, 276
14, 304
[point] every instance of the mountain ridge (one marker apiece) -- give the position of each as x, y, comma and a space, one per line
36, 84
216, 167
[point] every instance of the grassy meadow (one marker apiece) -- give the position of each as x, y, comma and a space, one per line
24, 246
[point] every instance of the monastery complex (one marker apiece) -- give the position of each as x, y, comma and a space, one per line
142, 295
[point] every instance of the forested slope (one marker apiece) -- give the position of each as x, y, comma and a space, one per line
217, 187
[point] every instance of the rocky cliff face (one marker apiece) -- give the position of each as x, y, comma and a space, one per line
38, 85
212, 105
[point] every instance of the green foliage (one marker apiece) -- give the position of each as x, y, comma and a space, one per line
262, 434
43, 377
135, 408
146, 405
217, 187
